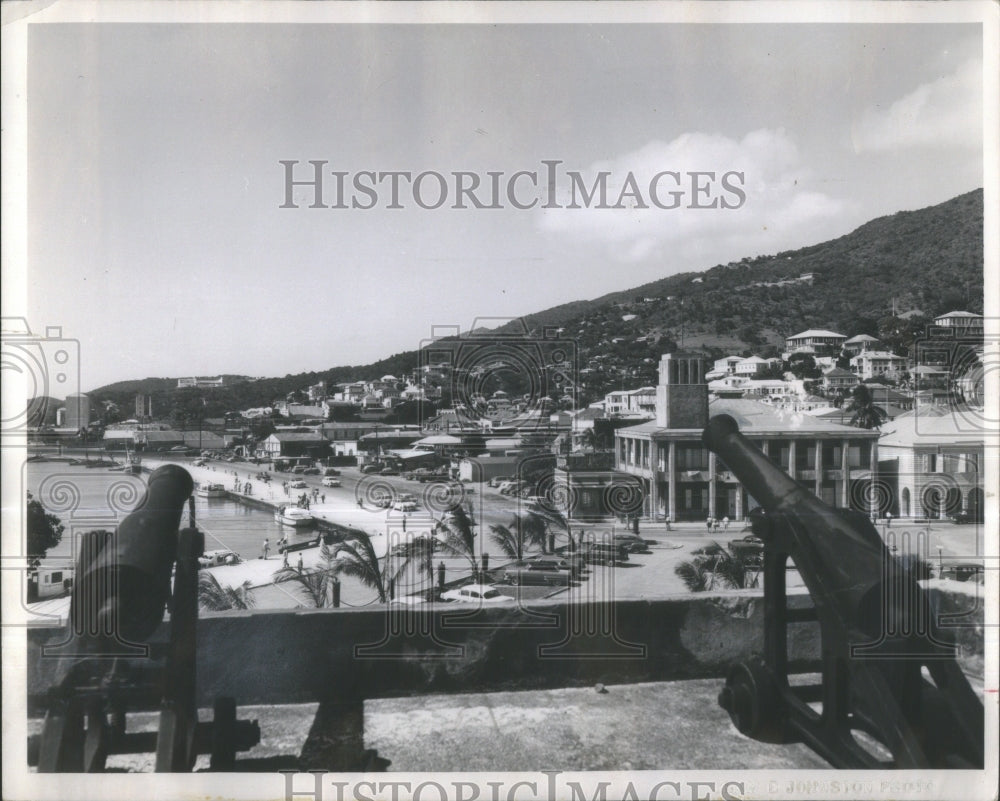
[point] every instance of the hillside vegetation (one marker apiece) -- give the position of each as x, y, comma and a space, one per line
922, 263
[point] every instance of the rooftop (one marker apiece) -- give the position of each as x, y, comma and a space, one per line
755, 418
817, 332
918, 429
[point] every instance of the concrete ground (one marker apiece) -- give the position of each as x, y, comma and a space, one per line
650, 726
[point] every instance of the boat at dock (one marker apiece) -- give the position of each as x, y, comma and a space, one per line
211, 491
294, 516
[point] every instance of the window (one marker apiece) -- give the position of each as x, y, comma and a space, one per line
56, 578
854, 456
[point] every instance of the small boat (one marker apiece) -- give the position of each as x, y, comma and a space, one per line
294, 516
211, 491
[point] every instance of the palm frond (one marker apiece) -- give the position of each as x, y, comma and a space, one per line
694, 576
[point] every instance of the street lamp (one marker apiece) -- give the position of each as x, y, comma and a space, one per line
940, 562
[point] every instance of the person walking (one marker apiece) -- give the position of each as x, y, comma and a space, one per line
669, 520
300, 562
725, 523
708, 525
267, 548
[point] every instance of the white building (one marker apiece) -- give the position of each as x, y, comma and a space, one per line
876, 363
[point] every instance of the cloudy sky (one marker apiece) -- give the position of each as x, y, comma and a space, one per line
156, 234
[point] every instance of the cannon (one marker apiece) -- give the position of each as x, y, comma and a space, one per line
892, 694
111, 664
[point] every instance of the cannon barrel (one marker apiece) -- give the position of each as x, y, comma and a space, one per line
122, 592
877, 627
838, 553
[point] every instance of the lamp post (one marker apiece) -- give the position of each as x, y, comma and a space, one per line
940, 562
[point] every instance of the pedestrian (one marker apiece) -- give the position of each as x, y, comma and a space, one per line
300, 562
323, 497
715, 525
285, 562
708, 525
669, 520
725, 523
267, 548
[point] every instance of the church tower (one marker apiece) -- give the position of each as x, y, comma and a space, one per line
682, 394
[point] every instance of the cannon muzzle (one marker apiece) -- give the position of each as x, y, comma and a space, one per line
123, 590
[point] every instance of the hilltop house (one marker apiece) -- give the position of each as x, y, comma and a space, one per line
816, 341
875, 363
861, 342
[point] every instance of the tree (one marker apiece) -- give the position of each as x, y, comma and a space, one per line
45, 531
803, 365
316, 584
734, 568
866, 413
216, 598
459, 536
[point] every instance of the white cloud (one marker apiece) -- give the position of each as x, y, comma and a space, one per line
946, 113
779, 209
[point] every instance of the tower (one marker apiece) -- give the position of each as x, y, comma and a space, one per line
682, 394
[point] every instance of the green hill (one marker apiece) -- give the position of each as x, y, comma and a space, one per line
921, 263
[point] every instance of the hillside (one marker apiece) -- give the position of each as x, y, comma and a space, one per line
924, 262
930, 259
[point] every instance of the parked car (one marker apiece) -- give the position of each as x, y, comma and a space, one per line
311, 471
298, 484
962, 517
331, 481
633, 543
573, 566
496, 481
965, 571
218, 557
388, 471
405, 506
179, 449
200, 462
600, 553
372, 468
331, 471
525, 573
299, 469
475, 594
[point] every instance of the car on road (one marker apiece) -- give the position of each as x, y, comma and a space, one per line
388, 471
331, 481
405, 506
298, 484
475, 594
331, 471
200, 462
962, 517
372, 468
496, 481
311, 471
299, 469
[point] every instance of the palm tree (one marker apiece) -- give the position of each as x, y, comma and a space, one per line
866, 413
459, 536
733, 569
694, 574
316, 585
538, 519
216, 598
